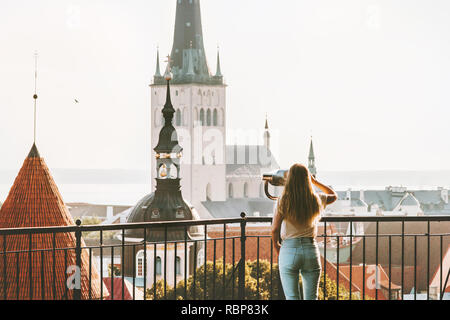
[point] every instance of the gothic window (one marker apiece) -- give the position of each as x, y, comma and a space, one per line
202, 117
246, 190
178, 266
230, 191
140, 264
208, 117
158, 266
178, 117
215, 120
185, 117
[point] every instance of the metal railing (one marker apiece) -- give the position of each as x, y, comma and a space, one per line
190, 268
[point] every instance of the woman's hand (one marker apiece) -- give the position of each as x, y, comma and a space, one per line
276, 245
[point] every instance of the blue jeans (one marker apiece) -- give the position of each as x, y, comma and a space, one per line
300, 255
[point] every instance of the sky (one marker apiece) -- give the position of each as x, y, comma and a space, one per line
368, 79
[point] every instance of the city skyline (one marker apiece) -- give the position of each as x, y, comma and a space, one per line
369, 96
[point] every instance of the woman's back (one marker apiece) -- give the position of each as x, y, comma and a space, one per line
292, 230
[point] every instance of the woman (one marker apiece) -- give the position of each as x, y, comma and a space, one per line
298, 212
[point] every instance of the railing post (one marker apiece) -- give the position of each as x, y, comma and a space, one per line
77, 290
241, 293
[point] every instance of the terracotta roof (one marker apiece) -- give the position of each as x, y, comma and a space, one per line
368, 273
127, 289
34, 201
411, 228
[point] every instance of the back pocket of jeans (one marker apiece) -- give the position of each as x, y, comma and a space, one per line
311, 259
287, 256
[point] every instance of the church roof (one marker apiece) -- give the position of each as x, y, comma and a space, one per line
249, 159
34, 201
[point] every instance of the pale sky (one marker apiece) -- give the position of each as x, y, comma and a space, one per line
369, 79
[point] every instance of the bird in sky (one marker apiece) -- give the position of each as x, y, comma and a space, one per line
76, 101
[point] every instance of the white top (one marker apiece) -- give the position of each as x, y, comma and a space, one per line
292, 231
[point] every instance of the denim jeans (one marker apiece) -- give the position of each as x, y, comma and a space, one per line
300, 256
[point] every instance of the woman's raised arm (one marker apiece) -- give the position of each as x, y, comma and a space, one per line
330, 193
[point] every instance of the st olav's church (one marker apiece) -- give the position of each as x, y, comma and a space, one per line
197, 175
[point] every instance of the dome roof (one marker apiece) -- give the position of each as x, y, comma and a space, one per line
143, 211
139, 211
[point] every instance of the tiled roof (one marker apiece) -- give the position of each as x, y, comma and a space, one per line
116, 285
409, 254
34, 201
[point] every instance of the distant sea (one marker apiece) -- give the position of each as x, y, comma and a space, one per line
126, 187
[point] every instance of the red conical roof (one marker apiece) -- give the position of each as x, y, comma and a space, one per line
34, 201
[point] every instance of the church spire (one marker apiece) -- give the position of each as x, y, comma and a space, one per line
312, 160
267, 135
218, 71
189, 63
158, 69
168, 138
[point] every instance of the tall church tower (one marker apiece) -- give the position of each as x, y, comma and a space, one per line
312, 160
199, 100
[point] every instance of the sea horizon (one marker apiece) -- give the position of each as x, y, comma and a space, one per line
127, 187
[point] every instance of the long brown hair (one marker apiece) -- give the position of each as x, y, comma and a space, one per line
299, 203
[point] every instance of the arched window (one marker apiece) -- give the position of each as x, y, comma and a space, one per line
178, 117
202, 117
158, 266
246, 190
185, 117
178, 266
201, 258
208, 117
140, 264
230, 191
208, 192
173, 172
215, 118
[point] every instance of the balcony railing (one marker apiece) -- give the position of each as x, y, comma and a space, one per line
362, 258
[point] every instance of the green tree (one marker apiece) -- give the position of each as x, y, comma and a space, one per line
260, 284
